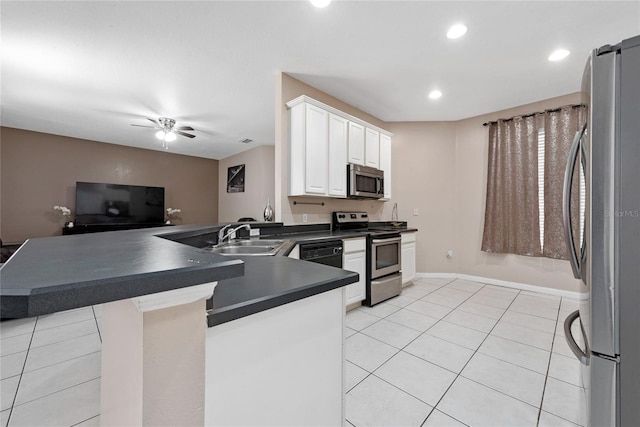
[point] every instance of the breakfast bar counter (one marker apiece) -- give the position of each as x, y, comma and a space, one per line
52, 274
270, 315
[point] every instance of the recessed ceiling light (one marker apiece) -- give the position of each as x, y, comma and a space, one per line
435, 94
559, 55
320, 3
457, 31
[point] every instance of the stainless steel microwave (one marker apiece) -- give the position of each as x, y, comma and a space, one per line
364, 182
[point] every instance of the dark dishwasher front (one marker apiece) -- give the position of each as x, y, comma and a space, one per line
327, 253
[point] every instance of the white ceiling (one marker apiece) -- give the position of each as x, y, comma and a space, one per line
91, 69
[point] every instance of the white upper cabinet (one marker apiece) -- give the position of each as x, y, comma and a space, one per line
323, 140
316, 150
385, 163
337, 155
372, 148
356, 143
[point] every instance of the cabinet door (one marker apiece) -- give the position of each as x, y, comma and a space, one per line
408, 262
337, 156
372, 148
356, 143
355, 262
385, 163
316, 150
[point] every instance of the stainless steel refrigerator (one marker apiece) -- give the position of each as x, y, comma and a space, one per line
607, 260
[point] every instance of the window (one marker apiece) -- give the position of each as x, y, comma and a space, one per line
582, 195
541, 185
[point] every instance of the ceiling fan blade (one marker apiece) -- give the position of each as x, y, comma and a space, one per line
144, 126
185, 128
188, 135
154, 122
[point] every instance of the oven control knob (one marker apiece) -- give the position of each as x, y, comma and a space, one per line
337, 250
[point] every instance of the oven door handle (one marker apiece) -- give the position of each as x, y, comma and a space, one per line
384, 241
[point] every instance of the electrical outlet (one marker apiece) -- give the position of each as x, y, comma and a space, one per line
305, 218
415, 211
254, 232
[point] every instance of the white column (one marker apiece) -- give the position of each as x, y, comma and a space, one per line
153, 359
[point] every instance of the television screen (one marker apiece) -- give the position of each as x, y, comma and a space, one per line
98, 203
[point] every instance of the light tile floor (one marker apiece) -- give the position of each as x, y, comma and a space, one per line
444, 353
456, 353
50, 369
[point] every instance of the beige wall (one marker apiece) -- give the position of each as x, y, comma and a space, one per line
259, 184
469, 203
40, 170
423, 170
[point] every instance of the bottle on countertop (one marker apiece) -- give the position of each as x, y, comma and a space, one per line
268, 212
394, 212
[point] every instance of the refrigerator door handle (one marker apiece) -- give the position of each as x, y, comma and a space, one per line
566, 202
575, 348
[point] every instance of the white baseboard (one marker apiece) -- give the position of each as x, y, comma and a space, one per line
507, 284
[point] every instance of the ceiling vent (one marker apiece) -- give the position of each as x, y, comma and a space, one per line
245, 141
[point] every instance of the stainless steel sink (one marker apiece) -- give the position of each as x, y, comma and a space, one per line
253, 243
251, 247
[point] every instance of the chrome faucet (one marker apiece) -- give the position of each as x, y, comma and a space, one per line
222, 237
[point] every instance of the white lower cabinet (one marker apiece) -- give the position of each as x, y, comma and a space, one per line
354, 259
408, 261
295, 252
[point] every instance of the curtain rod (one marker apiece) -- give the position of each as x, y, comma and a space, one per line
551, 110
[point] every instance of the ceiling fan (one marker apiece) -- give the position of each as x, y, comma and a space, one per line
168, 130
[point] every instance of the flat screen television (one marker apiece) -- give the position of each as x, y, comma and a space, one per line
100, 203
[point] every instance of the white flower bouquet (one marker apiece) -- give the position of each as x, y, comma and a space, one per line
66, 213
172, 213
63, 210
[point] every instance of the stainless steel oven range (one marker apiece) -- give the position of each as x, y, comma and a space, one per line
384, 279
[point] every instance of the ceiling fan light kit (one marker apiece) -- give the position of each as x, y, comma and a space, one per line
168, 131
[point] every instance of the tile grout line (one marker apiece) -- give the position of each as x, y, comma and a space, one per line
95, 318
61, 390
26, 357
546, 377
90, 418
63, 340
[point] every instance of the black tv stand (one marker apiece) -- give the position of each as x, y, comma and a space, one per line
97, 228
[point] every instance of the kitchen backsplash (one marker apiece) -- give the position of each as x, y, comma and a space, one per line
317, 213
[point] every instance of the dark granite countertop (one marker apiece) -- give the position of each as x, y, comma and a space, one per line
53, 274
269, 282
60, 273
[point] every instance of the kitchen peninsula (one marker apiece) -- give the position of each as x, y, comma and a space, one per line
154, 292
